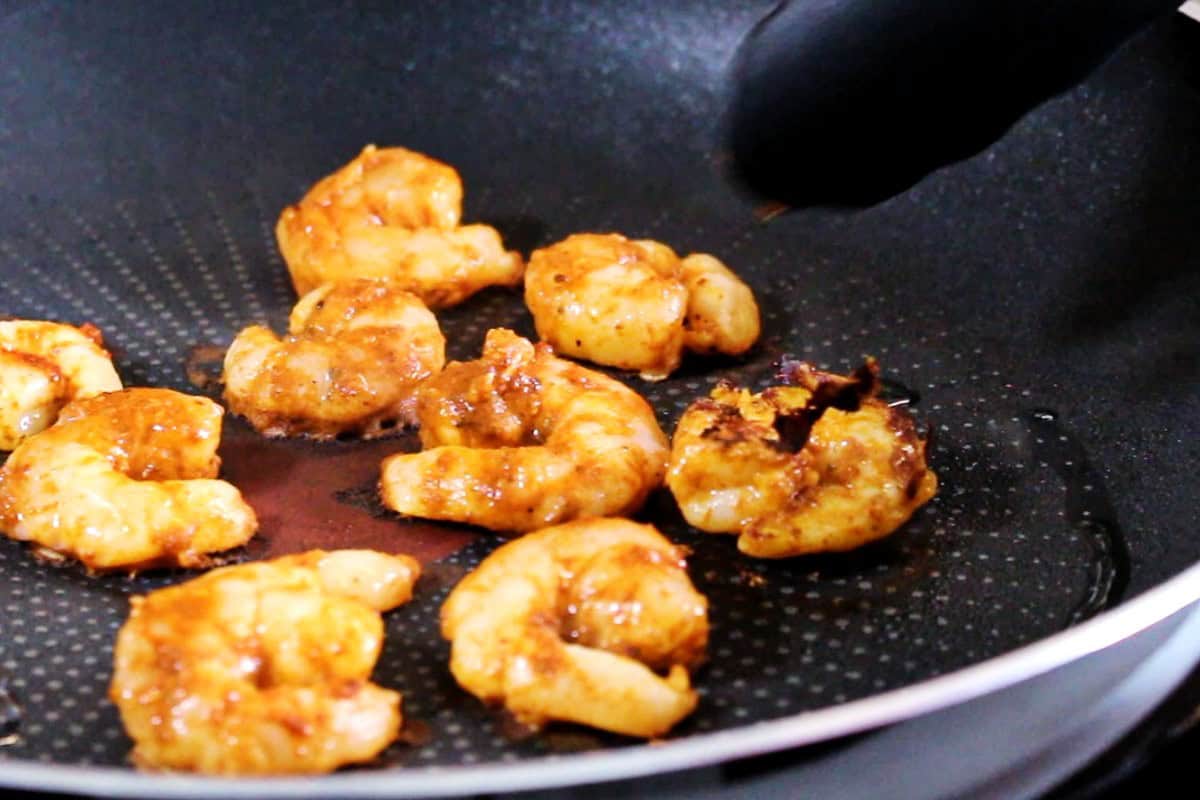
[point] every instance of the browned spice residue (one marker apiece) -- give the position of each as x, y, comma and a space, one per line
295, 486
203, 366
416, 732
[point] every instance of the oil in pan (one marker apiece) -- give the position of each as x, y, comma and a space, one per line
1021, 541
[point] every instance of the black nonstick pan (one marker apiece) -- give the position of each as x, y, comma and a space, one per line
1038, 308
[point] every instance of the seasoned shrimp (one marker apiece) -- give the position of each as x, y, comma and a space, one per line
575, 622
262, 668
822, 465
520, 439
609, 300
354, 356
126, 480
31, 394
722, 316
393, 213
44, 365
635, 305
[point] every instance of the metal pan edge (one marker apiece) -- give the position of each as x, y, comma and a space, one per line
700, 750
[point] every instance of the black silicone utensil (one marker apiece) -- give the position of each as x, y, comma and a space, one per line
847, 102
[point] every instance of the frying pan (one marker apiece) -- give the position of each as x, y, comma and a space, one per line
1036, 306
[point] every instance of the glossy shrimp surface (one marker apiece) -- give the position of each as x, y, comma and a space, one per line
594, 622
43, 366
262, 668
520, 439
351, 362
722, 315
393, 213
818, 465
636, 305
126, 480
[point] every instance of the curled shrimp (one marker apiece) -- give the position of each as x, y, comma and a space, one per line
722, 316
351, 362
393, 213
43, 366
126, 480
821, 465
520, 439
635, 304
262, 668
575, 623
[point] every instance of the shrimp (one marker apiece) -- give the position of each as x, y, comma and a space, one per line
31, 394
126, 480
354, 356
262, 668
635, 305
520, 439
44, 365
575, 622
393, 213
722, 316
822, 465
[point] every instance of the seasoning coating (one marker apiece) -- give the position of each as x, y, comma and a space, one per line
635, 305
351, 362
393, 213
520, 439
819, 466
43, 366
262, 668
126, 480
576, 622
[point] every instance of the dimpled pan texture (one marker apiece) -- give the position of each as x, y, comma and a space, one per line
1034, 307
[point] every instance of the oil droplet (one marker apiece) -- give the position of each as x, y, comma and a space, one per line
895, 393
1088, 509
513, 729
416, 732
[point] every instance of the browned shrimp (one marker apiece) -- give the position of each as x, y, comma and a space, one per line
126, 480
44, 365
819, 466
575, 623
635, 305
352, 361
393, 213
262, 668
520, 439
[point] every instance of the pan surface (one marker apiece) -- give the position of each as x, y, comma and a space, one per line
1037, 307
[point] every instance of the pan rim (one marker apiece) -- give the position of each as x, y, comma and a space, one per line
698, 750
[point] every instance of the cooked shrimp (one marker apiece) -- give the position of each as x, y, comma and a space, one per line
575, 622
126, 480
262, 668
393, 213
351, 363
722, 316
520, 439
819, 466
609, 300
31, 394
634, 305
43, 365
